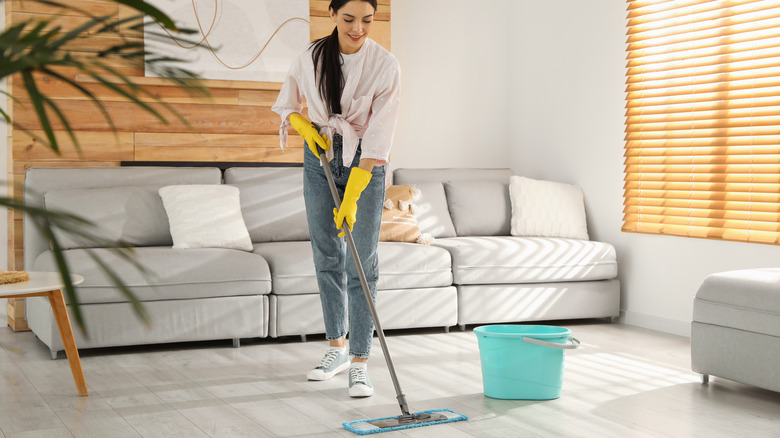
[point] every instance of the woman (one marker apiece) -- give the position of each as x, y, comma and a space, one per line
351, 86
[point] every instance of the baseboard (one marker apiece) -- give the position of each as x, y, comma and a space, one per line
666, 325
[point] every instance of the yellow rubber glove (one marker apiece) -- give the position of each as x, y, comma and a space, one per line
357, 182
309, 133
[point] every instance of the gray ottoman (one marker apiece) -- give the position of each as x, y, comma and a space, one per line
735, 333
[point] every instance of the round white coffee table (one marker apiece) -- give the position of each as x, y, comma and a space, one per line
49, 284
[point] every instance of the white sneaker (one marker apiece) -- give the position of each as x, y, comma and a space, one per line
359, 383
335, 361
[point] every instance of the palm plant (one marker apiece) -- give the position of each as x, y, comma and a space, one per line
36, 46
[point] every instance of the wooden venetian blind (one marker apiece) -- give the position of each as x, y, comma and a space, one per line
702, 155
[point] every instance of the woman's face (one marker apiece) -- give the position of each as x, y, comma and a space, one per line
354, 21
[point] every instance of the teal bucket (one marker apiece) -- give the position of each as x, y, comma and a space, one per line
523, 362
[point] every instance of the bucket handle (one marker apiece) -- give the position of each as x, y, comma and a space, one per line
575, 343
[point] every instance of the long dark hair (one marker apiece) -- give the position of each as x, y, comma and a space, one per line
327, 63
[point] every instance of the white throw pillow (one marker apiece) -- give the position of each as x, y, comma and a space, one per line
205, 216
546, 208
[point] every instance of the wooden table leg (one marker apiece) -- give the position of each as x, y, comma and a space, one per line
68, 341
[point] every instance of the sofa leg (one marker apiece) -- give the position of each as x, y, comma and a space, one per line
705, 379
54, 354
446, 329
303, 338
462, 327
236, 342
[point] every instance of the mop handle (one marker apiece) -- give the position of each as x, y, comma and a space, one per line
364, 283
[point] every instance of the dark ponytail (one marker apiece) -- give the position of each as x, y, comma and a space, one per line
327, 63
327, 70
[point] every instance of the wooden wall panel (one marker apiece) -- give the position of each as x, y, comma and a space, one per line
215, 147
235, 124
257, 97
214, 140
93, 146
58, 89
127, 117
20, 167
189, 153
96, 7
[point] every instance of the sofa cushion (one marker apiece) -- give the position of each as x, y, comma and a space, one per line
746, 300
408, 265
274, 212
271, 202
292, 266
401, 266
433, 215
134, 215
205, 216
496, 260
479, 208
264, 175
171, 273
547, 208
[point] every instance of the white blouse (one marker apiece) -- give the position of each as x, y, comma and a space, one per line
369, 102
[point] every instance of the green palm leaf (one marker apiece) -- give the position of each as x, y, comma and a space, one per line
35, 46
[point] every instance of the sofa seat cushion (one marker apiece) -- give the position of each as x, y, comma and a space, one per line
505, 259
746, 300
409, 265
171, 273
401, 266
292, 266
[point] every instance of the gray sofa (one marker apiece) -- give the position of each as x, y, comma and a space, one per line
735, 331
483, 276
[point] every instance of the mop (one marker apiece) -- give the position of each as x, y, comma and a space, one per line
406, 420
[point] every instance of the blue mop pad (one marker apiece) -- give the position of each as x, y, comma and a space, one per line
366, 427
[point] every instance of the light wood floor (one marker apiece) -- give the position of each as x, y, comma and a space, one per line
625, 382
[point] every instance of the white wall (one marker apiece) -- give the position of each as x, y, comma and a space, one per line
568, 66
453, 56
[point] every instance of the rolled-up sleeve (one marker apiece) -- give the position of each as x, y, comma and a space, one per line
378, 138
290, 99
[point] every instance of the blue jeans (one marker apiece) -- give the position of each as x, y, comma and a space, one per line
340, 289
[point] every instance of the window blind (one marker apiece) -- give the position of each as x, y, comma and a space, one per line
702, 143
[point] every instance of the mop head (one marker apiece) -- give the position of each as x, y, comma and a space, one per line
418, 419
